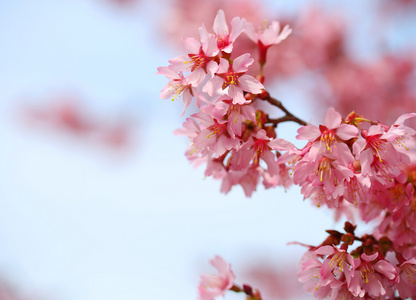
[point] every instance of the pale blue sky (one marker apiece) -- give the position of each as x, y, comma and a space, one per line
79, 224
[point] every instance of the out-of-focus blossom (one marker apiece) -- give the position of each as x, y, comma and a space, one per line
187, 15
274, 282
380, 90
212, 286
65, 115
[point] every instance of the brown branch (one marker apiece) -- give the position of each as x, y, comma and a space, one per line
288, 117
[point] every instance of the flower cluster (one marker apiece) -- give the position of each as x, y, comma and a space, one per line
348, 164
364, 273
229, 133
353, 160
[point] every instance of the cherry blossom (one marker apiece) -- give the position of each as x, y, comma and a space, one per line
234, 78
212, 286
225, 38
177, 86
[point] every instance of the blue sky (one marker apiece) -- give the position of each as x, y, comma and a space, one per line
79, 224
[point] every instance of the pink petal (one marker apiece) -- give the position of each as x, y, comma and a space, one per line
332, 118
220, 25
228, 48
284, 34
178, 63
386, 268
192, 45
281, 144
251, 32
309, 133
269, 36
168, 72
403, 118
346, 132
366, 158
369, 258
187, 99
210, 46
213, 85
344, 154
237, 27
166, 92
196, 77
358, 147
237, 94
250, 84
223, 66
241, 63
375, 129
325, 250
262, 135
203, 33
212, 68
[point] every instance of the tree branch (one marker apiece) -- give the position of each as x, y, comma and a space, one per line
288, 117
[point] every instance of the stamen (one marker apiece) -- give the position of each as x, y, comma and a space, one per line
178, 89
337, 261
400, 143
365, 272
324, 169
410, 271
222, 39
216, 130
328, 138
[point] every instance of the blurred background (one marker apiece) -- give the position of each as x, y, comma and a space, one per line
98, 201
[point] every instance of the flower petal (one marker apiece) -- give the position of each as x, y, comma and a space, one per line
250, 84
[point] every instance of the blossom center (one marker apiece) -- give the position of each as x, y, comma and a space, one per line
365, 272
216, 130
377, 145
324, 169
231, 78
223, 40
328, 137
197, 61
354, 189
337, 261
176, 88
410, 271
260, 147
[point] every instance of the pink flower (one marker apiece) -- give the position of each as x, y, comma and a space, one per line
234, 78
214, 138
329, 134
257, 148
270, 36
249, 180
372, 277
322, 177
234, 114
212, 286
225, 39
309, 274
378, 153
199, 60
264, 39
407, 284
399, 135
354, 187
339, 265
177, 86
